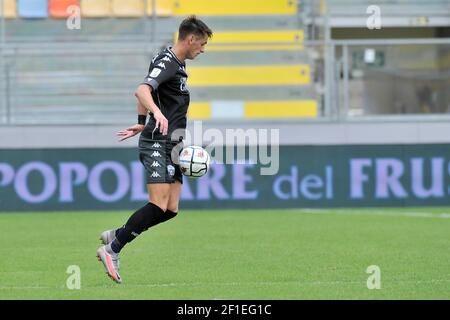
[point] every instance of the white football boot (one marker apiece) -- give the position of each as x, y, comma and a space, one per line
106, 238
108, 262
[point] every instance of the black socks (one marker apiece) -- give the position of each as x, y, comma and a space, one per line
167, 216
143, 219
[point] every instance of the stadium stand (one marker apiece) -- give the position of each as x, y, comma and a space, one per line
254, 42
33, 9
255, 63
59, 8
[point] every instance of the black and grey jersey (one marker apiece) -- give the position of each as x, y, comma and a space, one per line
167, 76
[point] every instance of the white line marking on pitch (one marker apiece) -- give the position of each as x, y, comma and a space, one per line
199, 284
378, 213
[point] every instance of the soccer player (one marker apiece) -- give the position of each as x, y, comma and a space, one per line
165, 96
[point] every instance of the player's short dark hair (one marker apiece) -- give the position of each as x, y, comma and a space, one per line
192, 25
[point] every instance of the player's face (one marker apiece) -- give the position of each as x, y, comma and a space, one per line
196, 46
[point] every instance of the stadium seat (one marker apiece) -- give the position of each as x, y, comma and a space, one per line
163, 7
235, 7
249, 75
9, 9
281, 109
253, 109
128, 9
33, 9
96, 8
199, 110
256, 40
58, 8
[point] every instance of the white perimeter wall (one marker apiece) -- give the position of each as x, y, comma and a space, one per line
304, 133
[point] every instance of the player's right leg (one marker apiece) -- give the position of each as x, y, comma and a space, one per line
140, 221
153, 157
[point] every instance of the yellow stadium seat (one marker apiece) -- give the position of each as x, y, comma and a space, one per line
9, 9
260, 109
199, 110
96, 8
281, 109
164, 8
258, 75
256, 40
235, 7
128, 8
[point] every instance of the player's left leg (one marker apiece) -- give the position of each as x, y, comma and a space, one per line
174, 199
172, 210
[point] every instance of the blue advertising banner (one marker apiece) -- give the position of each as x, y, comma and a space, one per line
306, 177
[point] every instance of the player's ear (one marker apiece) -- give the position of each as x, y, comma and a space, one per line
191, 38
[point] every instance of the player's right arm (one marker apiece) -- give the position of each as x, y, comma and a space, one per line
161, 70
144, 96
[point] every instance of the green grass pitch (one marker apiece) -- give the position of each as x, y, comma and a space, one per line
233, 254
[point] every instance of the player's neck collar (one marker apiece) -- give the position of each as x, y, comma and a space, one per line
175, 56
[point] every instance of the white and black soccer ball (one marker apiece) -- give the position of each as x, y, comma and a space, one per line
194, 161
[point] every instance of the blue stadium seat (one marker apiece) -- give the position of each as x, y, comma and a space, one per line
33, 8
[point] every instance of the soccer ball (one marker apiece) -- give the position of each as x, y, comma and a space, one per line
194, 161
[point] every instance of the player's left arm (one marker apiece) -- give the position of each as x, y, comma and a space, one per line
137, 128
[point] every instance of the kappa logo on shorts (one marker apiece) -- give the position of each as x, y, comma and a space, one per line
155, 175
156, 154
155, 164
156, 145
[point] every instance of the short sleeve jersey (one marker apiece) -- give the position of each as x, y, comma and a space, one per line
167, 76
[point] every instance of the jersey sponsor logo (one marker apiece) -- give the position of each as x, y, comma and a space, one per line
155, 72
156, 145
166, 59
156, 154
155, 164
161, 65
183, 85
155, 175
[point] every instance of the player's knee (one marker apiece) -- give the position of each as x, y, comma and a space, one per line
172, 207
161, 202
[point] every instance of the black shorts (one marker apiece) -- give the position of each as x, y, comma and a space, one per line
156, 156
